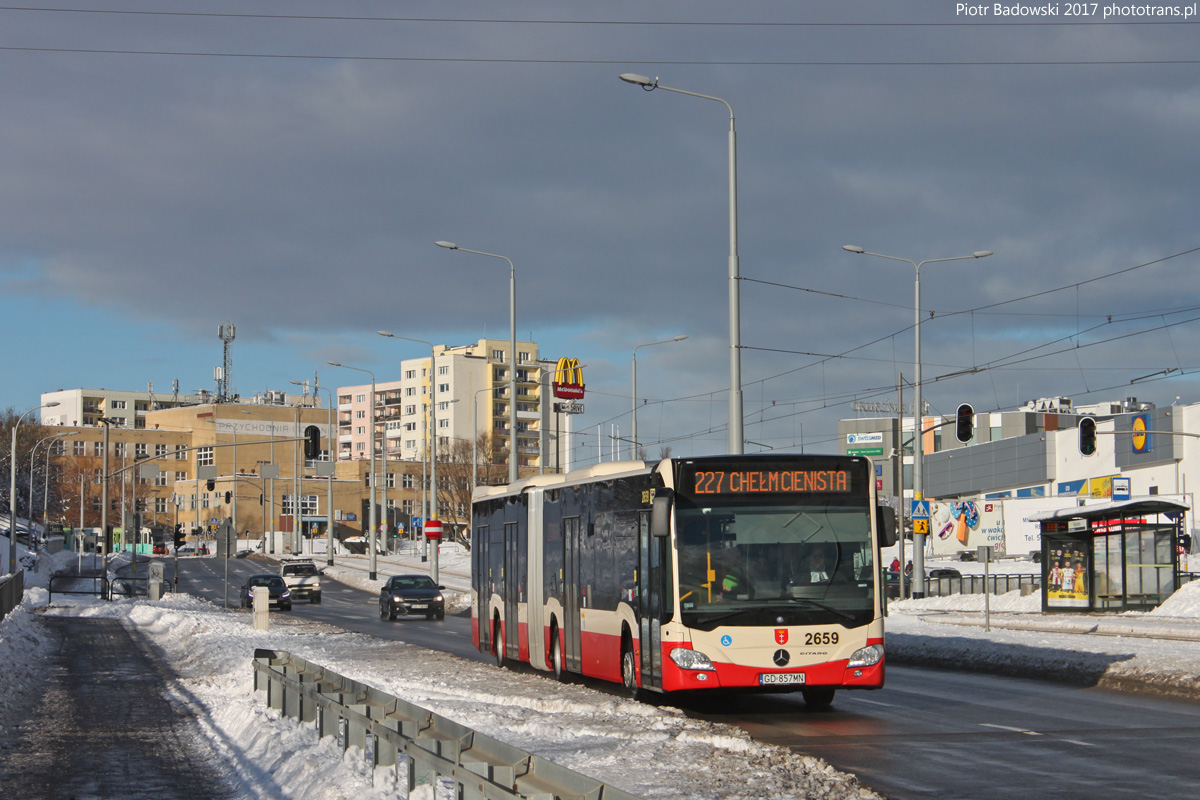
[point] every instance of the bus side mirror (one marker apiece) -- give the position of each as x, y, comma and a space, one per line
885, 521
660, 513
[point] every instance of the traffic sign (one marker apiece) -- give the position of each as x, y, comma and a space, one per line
920, 525
920, 509
433, 529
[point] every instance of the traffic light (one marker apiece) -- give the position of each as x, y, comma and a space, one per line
1087, 436
211, 484
964, 423
312, 442
178, 536
228, 497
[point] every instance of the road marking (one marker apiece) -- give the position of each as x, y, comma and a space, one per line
1025, 731
875, 702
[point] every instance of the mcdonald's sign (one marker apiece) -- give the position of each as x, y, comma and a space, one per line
568, 379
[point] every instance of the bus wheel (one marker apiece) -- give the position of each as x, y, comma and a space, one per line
818, 698
556, 660
497, 642
629, 670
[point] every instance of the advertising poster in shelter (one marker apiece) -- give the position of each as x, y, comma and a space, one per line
1067, 576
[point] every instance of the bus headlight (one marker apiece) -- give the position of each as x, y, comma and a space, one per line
686, 658
867, 656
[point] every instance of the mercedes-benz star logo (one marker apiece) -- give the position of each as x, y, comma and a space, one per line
781, 658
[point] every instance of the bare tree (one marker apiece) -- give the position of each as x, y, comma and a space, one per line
66, 489
457, 472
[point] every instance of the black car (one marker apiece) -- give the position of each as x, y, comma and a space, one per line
944, 572
280, 597
411, 594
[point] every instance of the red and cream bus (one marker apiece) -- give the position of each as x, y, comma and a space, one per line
749, 572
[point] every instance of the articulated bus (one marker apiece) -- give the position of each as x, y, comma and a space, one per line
748, 572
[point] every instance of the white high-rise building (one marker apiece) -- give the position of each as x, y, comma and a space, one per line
472, 394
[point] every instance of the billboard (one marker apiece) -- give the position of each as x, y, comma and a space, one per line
1002, 524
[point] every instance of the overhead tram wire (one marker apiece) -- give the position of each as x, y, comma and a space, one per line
591, 22
1001, 363
597, 61
972, 310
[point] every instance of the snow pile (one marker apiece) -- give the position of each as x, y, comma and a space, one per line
1157, 651
24, 648
578, 727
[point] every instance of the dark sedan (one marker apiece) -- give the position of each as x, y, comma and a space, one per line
279, 596
411, 594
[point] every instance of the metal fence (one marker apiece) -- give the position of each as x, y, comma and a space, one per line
392, 732
12, 589
1001, 584
975, 584
92, 582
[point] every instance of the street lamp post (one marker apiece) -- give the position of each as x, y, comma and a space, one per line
475, 435
635, 406
918, 409
736, 444
108, 423
45, 477
12, 489
513, 458
371, 511
432, 412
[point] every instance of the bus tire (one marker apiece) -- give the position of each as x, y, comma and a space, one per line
629, 668
818, 698
556, 659
497, 642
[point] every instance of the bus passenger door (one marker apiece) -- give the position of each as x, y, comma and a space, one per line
573, 545
650, 600
513, 585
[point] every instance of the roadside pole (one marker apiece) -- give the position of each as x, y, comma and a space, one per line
433, 536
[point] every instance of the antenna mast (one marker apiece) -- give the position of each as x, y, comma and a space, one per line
224, 373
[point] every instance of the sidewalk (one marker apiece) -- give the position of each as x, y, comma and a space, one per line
104, 726
1144, 626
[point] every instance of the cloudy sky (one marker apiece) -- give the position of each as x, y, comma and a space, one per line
288, 167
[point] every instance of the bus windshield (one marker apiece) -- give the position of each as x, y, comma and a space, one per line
783, 563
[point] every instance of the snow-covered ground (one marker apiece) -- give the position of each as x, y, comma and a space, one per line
590, 731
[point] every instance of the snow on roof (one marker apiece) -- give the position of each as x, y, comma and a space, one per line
1137, 505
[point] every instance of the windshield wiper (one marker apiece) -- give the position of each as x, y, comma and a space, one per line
817, 604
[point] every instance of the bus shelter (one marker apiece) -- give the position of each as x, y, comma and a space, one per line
1112, 556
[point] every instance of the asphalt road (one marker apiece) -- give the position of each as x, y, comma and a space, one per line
927, 734
340, 605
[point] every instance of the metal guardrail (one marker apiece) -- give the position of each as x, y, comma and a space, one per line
11, 591
393, 732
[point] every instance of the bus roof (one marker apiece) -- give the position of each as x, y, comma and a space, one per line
604, 470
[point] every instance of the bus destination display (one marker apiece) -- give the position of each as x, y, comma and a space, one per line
770, 481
